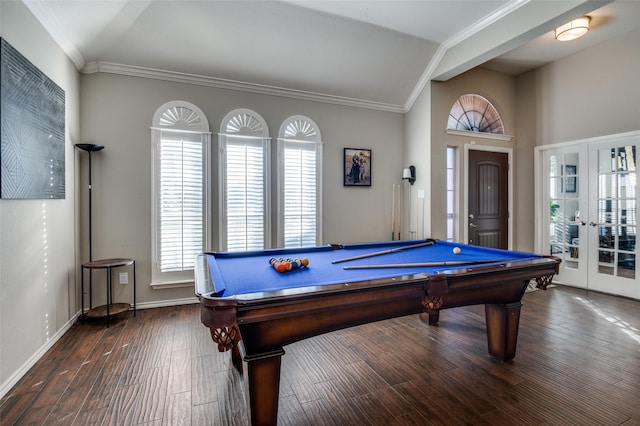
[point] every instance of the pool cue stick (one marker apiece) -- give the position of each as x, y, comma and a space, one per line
410, 265
417, 216
422, 217
377, 253
393, 213
399, 215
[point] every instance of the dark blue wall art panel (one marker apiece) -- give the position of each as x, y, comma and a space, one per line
32, 139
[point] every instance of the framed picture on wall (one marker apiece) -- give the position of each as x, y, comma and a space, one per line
357, 167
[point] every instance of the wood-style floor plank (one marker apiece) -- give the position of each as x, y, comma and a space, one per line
577, 362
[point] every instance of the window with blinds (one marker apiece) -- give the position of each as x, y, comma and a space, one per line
300, 195
245, 188
300, 155
244, 182
181, 201
180, 140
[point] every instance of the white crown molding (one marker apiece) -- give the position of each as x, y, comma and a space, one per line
488, 20
220, 83
42, 13
424, 78
485, 22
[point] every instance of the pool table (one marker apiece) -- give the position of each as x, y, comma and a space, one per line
255, 311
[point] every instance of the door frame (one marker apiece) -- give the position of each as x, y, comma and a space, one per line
465, 185
539, 225
571, 271
538, 179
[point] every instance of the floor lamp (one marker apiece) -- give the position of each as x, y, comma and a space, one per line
90, 148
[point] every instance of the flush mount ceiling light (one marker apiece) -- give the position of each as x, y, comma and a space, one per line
573, 30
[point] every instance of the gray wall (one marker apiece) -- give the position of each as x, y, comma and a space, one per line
38, 291
417, 128
117, 111
592, 93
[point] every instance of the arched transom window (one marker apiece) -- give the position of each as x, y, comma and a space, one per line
299, 183
244, 122
474, 113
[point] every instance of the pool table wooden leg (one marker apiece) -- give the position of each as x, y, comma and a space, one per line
502, 329
236, 358
262, 386
431, 317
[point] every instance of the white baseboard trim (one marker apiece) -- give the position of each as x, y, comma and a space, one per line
24, 369
166, 303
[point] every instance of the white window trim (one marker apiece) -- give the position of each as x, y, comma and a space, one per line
479, 135
160, 280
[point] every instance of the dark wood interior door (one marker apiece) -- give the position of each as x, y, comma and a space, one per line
488, 201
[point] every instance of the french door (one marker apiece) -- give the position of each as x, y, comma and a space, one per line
590, 213
613, 217
566, 211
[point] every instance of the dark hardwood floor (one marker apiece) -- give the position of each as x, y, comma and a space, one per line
578, 363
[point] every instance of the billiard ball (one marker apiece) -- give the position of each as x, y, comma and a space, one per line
456, 250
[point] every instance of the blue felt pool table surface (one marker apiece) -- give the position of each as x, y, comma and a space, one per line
244, 273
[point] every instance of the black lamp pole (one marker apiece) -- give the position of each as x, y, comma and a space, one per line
90, 148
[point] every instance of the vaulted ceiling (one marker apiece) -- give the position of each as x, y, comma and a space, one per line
370, 53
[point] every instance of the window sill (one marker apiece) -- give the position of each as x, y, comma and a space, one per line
172, 284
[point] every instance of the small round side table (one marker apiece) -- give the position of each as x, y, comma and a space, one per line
110, 308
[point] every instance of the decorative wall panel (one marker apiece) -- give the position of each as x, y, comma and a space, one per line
32, 147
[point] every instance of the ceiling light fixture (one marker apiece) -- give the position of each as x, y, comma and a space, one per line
573, 30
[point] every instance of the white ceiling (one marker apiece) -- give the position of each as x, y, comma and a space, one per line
371, 53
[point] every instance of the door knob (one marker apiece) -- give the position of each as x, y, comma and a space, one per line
471, 216
593, 224
472, 225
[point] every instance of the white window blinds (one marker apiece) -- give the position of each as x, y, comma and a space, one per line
180, 214
300, 194
245, 194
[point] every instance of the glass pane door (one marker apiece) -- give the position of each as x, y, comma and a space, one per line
614, 221
589, 216
566, 224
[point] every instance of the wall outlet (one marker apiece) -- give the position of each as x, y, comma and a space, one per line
124, 278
